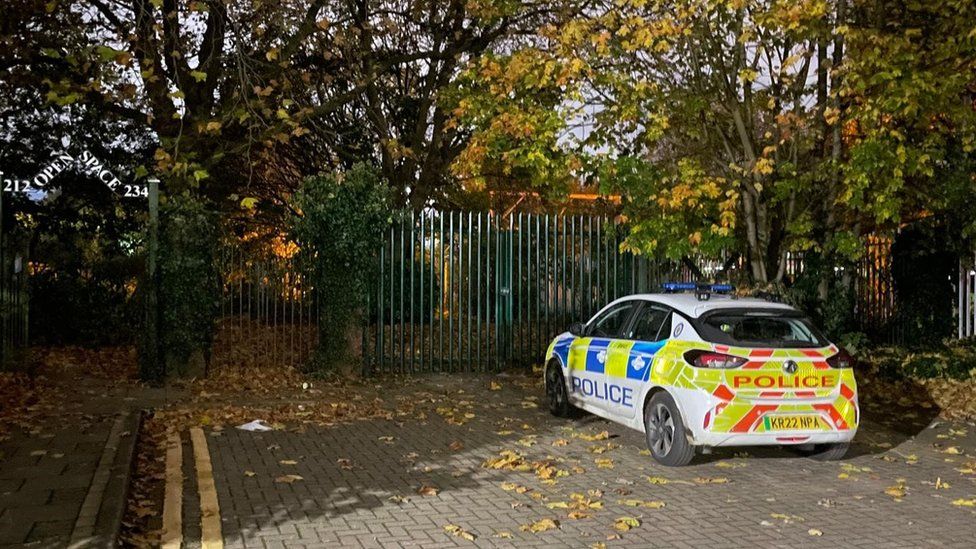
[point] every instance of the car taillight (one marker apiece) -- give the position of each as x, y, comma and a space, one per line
842, 359
708, 359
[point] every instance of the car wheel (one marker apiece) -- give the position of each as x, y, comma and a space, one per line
827, 452
666, 436
556, 394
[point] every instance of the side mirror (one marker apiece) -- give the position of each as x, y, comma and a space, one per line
576, 328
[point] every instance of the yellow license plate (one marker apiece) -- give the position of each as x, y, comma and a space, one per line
792, 423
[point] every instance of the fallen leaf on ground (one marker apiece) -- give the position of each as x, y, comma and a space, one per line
540, 525
604, 463
897, 491
711, 480
641, 503
730, 464
456, 446
249, 473
427, 490
459, 532
602, 435
626, 523
288, 462
815, 532
657, 480
288, 479
965, 502
786, 518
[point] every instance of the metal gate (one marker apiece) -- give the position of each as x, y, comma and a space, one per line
473, 291
13, 289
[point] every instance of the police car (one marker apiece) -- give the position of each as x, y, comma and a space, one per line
703, 369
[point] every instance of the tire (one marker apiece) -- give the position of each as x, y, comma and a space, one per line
827, 452
665, 432
556, 394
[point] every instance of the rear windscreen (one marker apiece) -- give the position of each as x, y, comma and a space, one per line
760, 328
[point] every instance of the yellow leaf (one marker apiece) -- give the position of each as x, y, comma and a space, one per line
657, 480
965, 502
604, 463
897, 491
626, 523
641, 503
540, 526
288, 462
603, 435
459, 532
815, 532
288, 479
711, 480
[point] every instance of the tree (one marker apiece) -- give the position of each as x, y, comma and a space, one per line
244, 98
761, 125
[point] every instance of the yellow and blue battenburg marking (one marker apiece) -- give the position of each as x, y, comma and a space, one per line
743, 397
612, 357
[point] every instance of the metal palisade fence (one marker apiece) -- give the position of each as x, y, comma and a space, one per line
268, 311
473, 291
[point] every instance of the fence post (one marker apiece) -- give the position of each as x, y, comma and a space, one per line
152, 367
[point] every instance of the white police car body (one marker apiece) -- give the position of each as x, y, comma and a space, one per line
707, 369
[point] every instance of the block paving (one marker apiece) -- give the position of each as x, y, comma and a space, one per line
361, 482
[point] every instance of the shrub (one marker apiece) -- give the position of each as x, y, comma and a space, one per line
189, 296
339, 229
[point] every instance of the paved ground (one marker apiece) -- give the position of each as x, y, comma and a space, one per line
64, 462
404, 481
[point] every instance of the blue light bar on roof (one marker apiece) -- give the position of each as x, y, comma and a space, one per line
674, 287
671, 287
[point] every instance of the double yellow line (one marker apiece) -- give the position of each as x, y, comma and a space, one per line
172, 535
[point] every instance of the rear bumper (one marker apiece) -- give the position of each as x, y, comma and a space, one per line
698, 406
779, 439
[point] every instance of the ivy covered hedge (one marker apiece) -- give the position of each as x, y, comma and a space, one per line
340, 222
188, 288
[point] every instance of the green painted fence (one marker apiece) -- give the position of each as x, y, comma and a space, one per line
470, 291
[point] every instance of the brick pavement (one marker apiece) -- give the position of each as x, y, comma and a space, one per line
359, 486
64, 475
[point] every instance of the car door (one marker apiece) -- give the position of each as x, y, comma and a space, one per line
646, 333
589, 355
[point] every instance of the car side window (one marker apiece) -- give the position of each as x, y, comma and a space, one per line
649, 323
612, 321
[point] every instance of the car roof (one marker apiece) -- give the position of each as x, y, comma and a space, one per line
691, 306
